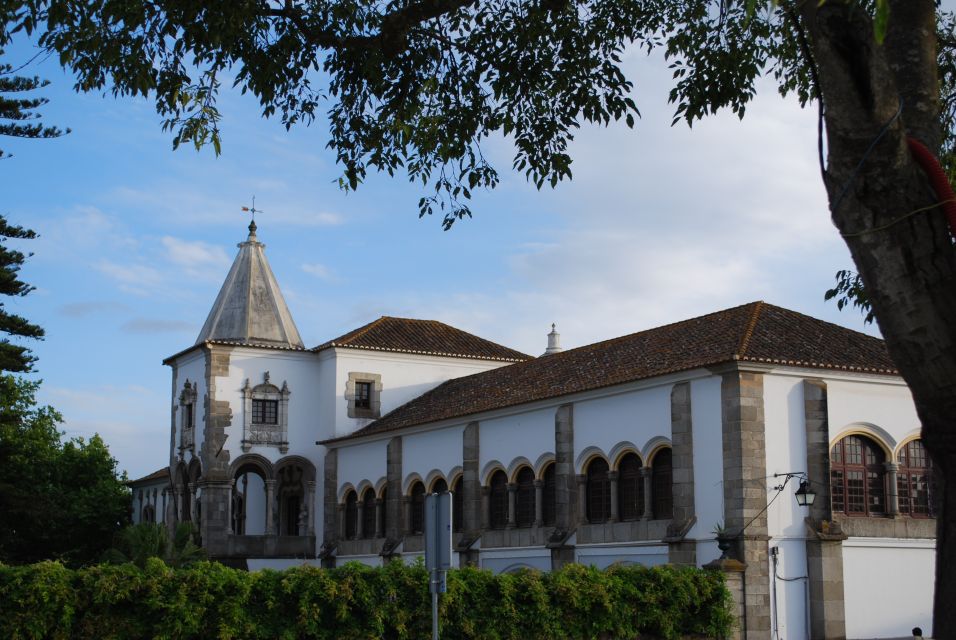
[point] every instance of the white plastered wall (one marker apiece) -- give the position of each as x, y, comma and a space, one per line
360, 463
634, 417
888, 586
708, 465
192, 367
528, 435
439, 450
404, 377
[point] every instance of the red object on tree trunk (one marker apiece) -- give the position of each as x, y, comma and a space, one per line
937, 178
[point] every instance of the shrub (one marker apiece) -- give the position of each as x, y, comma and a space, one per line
209, 600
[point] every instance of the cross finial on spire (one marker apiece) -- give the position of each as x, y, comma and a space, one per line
252, 223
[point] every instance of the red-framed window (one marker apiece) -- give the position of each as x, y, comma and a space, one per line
857, 477
915, 480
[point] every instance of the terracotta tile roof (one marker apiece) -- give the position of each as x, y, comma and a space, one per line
755, 332
159, 474
428, 337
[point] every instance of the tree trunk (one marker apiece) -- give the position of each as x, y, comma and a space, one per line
881, 202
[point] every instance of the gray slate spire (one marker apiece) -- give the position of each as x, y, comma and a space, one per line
249, 308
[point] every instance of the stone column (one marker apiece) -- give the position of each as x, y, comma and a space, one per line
231, 489
394, 529
612, 478
824, 549
179, 503
360, 523
582, 498
470, 482
512, 491
310, 505
538, 503
330, 487
733, 571
485, 507
647, 476
379, 512
565, 489
270, 500
340, 508
745, 485
680, 550
193, 515
892, 489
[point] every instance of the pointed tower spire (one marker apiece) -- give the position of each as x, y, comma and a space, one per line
250, 308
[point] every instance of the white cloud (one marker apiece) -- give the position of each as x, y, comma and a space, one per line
197, 259
320, 271
136, 279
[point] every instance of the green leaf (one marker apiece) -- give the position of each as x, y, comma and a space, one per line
881, 20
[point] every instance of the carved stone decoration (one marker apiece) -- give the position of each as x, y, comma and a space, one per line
187, 418
265, 429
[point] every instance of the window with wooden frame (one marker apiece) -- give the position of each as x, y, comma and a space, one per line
598, 491
915, 480
368, 514
498, 500
418, 508
351, 515
524, 498
630, 488
549, 496
662, 485
857, 477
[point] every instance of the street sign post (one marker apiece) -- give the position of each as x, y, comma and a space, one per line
438, 555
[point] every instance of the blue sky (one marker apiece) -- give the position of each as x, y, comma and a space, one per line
659, 224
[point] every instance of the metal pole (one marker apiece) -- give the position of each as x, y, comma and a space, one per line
435, 583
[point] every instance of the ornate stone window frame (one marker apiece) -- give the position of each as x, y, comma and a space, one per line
375, 397
273, 435
187, 417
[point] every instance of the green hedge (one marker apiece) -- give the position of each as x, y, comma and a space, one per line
209, 600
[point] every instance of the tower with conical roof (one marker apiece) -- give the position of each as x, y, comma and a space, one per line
250, 308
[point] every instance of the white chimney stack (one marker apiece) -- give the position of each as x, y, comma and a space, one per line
554, 342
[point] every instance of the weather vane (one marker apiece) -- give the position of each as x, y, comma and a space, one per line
253, 209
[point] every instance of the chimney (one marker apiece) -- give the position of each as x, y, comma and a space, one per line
554, 342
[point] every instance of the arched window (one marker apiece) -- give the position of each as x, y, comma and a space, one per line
457, 505
524, 498
915, 480
439, 486
856, 477
662, 483
630, 488
418, 508
351, 514
598, 491
498, 500
149, 515
368, 514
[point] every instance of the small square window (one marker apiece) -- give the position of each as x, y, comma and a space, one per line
363, 395
265, 412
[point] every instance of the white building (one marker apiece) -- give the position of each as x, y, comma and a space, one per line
631, 450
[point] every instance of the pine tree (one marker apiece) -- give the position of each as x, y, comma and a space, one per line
14, 357
18, 116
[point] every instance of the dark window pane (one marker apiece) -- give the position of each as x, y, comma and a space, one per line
439, 486
351, 514
598, 491
498, 500
457, 504
368, 514
857, 477
363, 395
265, 411
524, 498
418, 508
662, 484
548, 496
915, 480
630, 488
